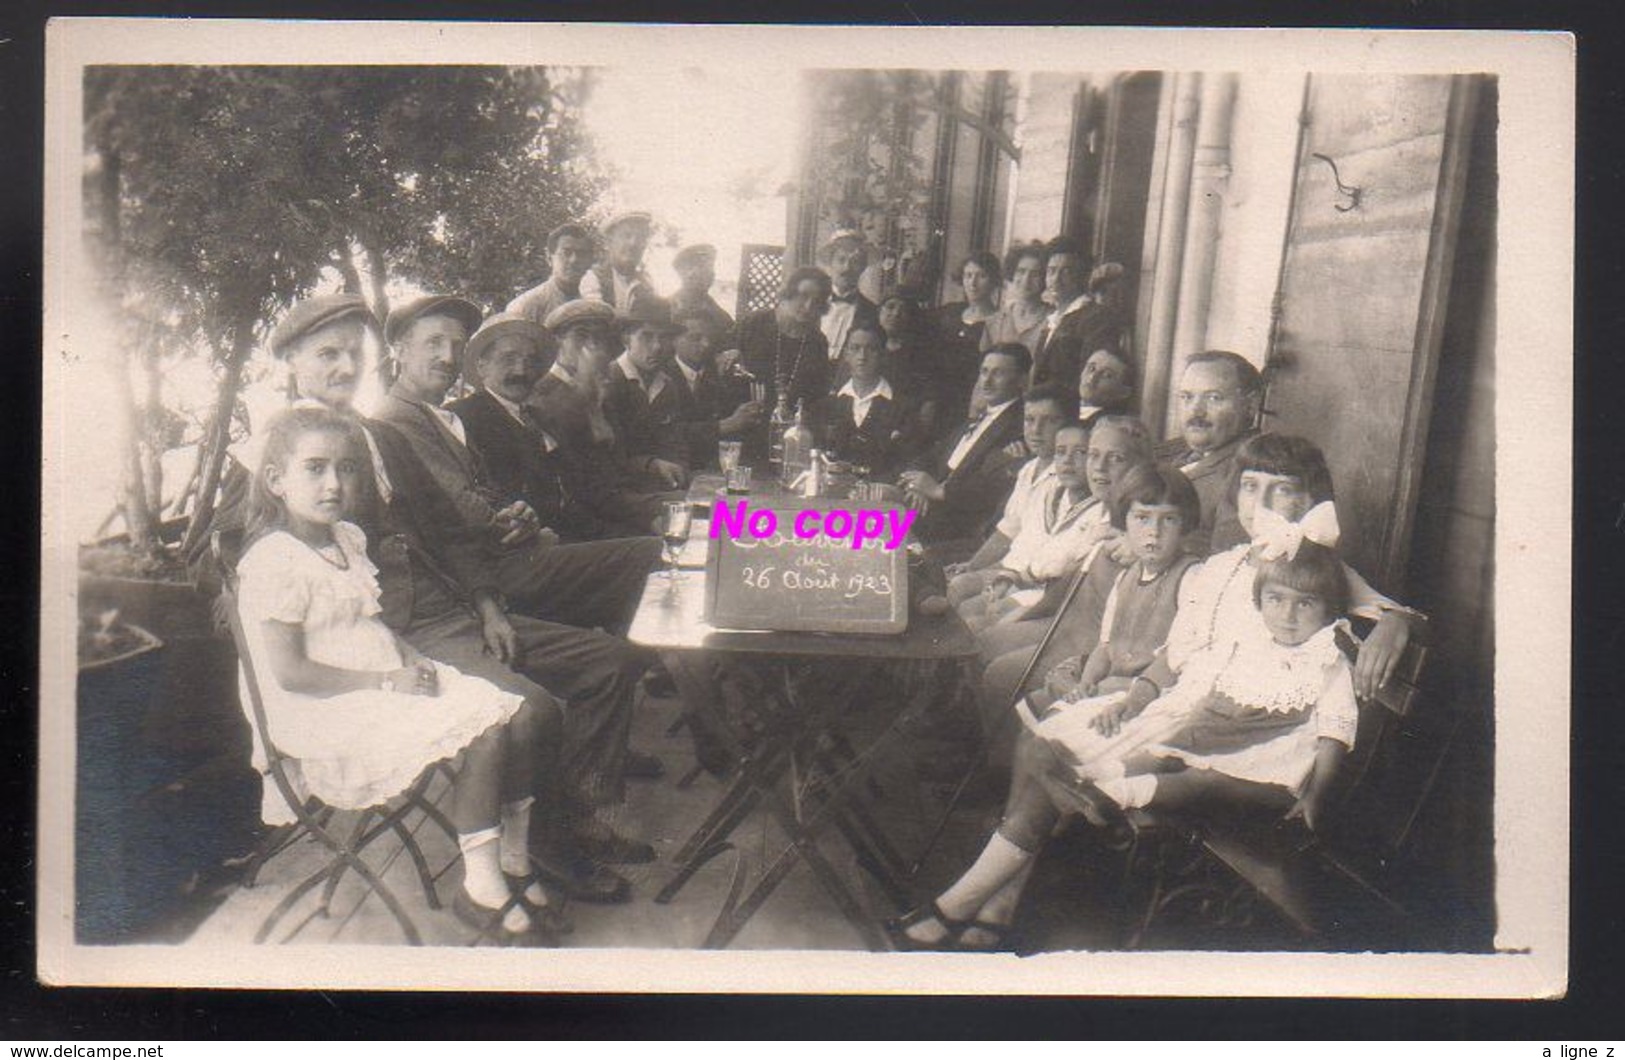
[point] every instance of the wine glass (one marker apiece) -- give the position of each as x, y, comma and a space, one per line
674, 533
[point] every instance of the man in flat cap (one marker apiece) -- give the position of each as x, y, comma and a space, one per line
696, 268
440, 592
615, 280
844, 257
569, 404
641, 399
571, 250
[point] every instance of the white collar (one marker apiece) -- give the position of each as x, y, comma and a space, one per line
691, 374
629, 369
513, 409
992, 411
882, 389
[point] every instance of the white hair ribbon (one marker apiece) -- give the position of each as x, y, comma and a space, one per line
1279, 538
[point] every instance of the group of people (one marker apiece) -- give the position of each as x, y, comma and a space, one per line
454, 574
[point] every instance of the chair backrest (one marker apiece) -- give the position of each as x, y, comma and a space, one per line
1392, 771
275, 760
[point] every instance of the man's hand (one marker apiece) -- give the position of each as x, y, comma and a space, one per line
1119, 551
673, 475
498, 633
1380, 653
920, 486
518, 523
1018, 450
1062, 680
727, 359
747, 415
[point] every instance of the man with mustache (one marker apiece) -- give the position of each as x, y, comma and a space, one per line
1220, 394
845, 257
440, 591
571, 249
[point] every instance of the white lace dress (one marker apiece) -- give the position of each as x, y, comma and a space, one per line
1257, 710
360, 748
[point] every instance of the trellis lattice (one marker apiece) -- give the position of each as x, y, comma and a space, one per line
761, 271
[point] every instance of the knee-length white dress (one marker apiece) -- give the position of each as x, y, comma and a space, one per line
360, 748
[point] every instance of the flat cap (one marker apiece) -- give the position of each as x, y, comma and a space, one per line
646, 310
312, 313
581, 312
694, 254
641, 217
445, 305
844, 235
495, 327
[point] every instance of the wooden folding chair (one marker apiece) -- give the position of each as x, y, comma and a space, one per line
317, 820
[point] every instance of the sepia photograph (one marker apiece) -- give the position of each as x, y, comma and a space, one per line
784, 509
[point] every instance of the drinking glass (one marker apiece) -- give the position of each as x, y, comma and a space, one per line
674, 533
739, 479
728, 455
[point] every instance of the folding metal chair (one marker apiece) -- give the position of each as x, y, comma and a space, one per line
317, 820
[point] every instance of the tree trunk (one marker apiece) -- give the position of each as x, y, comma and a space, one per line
379, 271
344, 261
153, 433
138, 518
219, 435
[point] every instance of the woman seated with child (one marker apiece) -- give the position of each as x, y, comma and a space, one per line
1261, 714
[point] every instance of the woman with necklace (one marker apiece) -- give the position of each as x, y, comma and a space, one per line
783, 349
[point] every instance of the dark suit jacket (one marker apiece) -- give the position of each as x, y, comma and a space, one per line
610, 493
1060, 356
885, 442
424, 553
453, 465
646, 427
863, 312
1212, 476
977, 488
517, 466
700, 406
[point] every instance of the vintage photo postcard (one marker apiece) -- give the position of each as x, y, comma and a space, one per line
800, 509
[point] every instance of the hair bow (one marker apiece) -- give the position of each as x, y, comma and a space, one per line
1279, 538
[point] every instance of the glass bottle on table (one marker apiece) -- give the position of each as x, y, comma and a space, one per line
777, 425
798, 448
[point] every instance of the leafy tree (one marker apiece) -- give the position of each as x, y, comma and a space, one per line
220, 195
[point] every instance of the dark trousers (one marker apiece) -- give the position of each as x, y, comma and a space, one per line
593, 584
593, 673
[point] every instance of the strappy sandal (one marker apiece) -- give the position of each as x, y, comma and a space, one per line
546, 917
897, 929
488, 922
999, 937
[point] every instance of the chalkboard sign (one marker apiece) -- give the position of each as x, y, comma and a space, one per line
817, 584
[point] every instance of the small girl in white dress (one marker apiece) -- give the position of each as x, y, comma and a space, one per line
361, 711
1264, 718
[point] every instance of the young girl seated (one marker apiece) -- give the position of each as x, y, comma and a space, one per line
361, 712
1155, 508
1259, 720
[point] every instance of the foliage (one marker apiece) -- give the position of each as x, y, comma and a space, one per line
218, 196
869, 166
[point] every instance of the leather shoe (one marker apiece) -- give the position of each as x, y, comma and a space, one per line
488, 922
546, 917
576, 876
642, 766
595, 839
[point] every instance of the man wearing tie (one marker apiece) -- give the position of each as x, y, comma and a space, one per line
845, 256
702, 394
961, 487
1220, 395
641, 399
1077, 326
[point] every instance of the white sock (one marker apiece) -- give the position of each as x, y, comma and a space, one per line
482, 876
514, 847
999, 863
515, 844
1130, 792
